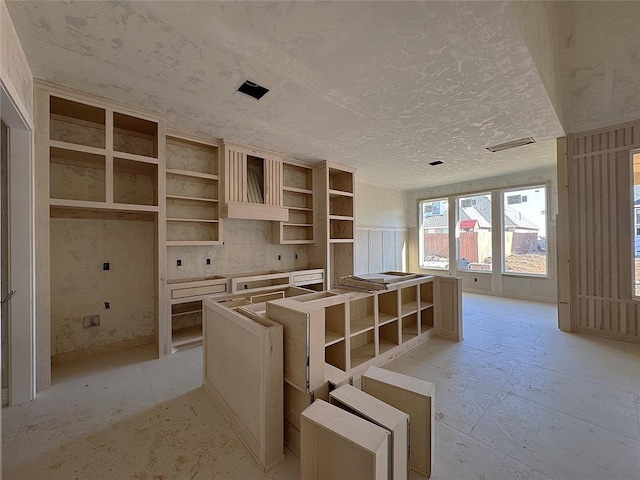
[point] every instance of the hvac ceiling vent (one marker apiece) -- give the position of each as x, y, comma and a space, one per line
513, 144
253, 90
437, 162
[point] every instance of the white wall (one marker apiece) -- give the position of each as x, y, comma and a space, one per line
381, 233
495, 283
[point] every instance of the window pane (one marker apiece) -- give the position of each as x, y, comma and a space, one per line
434, 234
636, 208
525, 231
474, 232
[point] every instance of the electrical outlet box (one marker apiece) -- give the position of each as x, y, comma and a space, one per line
91, 321
208, 261
106, 266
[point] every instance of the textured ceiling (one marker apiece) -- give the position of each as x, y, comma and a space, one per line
383, 86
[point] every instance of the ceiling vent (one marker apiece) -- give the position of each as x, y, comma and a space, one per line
513, 144
253, 90
437, 162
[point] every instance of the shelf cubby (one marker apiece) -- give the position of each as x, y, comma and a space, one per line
195, 209
340, 180
362, 315
408, 300
336, 355
135, 182
341, 206
387, 307
389, 334
293, 233
409, 327
362, 348
297, 177
192, 232
77, 175
340, 229
334, 322
191, 157
298, 200
77, 123
191, 185
134, 135
426, 319
426, 295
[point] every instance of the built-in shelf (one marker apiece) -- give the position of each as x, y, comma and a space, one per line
192, 191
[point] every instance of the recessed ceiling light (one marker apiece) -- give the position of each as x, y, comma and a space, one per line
513, 144
253, 89
437, 162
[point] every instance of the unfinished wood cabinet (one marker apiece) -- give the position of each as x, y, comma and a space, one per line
100, 164
192, 188
334, 187
252, 184
243, 372
297, 197
416, 398
101, 159
384, 415
334, 444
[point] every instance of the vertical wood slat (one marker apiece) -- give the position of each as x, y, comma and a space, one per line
235, 175
273, 182
601, 246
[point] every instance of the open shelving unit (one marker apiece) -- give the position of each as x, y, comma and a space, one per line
101, 159
101, 163
192, 202
297, 197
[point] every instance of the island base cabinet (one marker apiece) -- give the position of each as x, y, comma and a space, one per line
416, 398
337, 445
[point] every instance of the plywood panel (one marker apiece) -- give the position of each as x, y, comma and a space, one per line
375, 251
388, 251
362, 251
414, 397
601, 251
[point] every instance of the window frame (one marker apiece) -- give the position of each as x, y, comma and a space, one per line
421, 233
490, 194
547, 199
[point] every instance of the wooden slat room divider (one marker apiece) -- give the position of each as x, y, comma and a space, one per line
601, 253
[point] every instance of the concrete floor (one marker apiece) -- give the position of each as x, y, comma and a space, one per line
516, 399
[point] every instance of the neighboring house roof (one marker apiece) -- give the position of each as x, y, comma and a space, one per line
513, 218
473, 213
436, 221
466, 224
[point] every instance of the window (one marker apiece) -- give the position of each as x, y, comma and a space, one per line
525, 231
434, 234
636, 212
474, 232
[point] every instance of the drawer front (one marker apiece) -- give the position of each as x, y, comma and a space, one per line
302, 278
198, 291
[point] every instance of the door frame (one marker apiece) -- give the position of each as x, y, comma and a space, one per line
21, 251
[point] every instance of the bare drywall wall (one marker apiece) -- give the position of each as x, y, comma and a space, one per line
80, 286
541, 27
534, 288
380, 238
14, 68
378, 206
248, 247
